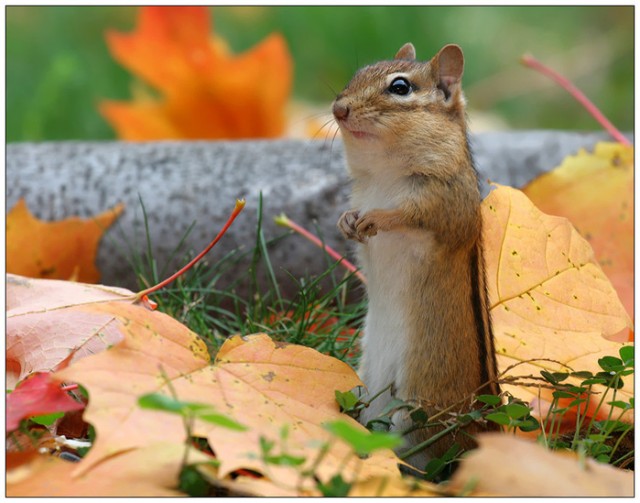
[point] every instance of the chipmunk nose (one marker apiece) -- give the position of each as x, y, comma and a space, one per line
340, 110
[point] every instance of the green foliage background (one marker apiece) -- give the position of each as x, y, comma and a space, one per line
59, 68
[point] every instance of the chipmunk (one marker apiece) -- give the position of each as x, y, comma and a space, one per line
416, 216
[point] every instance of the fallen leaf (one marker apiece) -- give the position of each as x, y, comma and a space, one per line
50, 321
206, 91
504, 465
17, 459
395, 487
283, 384
58, 250
595, 192
37, 395
72, 426
549, 297
150, 471
249, 486
38, 437
153, 345
259, 383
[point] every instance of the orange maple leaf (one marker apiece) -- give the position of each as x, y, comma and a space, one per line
56, 250
206, 91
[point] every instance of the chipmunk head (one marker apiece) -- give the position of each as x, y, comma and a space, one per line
405, 103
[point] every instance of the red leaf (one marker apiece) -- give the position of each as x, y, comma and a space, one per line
36, 395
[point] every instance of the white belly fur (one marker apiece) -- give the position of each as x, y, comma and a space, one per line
389, 260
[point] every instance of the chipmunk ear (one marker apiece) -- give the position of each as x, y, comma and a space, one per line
407, 51
449, 65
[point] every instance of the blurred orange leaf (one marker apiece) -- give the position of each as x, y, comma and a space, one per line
595, 192
508, 466
59, 250
386, 487
206, 92
549, 297
150, 471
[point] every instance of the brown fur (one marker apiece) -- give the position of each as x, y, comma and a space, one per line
423, 140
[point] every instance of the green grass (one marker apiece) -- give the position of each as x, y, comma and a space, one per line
59, 68
318, 316
215, 313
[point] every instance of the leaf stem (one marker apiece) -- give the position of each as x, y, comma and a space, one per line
240, 204
628, 455
567, 85
285, 221
430, 441
601, 402
619, 441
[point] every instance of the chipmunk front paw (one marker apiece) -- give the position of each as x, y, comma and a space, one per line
347, 224
367, 226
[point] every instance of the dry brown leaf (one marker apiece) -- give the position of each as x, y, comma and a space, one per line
150, 471
508, 466
48, 320
549, 297
595, 192
56, 250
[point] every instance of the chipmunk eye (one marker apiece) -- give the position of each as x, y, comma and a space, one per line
400, 86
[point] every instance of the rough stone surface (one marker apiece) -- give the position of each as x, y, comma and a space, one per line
180, 183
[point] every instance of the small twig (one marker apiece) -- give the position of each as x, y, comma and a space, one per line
285, 221
143, 295
187, 421
532, 360
626, 457
303, 474
567, 85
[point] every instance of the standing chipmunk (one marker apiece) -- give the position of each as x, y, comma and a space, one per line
416, 214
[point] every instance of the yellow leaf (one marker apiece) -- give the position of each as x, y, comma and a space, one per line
55, 250
507, 466
595, 192
549, 297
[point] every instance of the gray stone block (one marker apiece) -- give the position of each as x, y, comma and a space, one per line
181, 183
